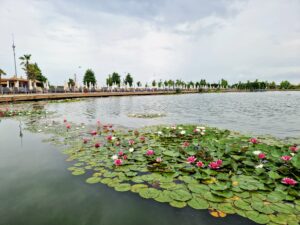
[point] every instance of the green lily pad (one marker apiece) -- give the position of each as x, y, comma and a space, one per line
180, 195
178, 204
123, 187
93, 180
198, 203
149, 193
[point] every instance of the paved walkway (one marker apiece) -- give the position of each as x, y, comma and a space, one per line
47, 96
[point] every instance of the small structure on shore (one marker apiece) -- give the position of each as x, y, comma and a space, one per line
15, 83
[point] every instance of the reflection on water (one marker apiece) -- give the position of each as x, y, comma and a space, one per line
37, 189
275, 113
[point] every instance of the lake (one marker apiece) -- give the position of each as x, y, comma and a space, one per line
37, 188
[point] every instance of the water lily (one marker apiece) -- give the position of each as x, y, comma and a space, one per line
125, 157
259, 166
201, 128
131, 142
286, 158
200, 164
68, 126
109, 138
214, 165
97, 145
93, 132
131, 150
253, 140
114, 157
85, 140
182, 132
159, 133
196, 130
294, 149
118, 162
191, 159
289, 181
185, 144
65, 120
120, 153
142, 138
150, 152
219, 162
261, 155
256, 152
202, 133
158, 159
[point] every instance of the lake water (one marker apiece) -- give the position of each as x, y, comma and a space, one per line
36, 188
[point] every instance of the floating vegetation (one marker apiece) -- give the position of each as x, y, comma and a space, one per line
67, 100
188, 166
21, 112
146, 115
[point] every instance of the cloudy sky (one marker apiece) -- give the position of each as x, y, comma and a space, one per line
153, 39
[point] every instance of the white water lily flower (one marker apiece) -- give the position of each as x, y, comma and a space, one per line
159, 133
82, 127
182, 132
131, 150
202, 133
39, 130
259, 166
77, 128
113, 138
292, 154
114, 157
256, 152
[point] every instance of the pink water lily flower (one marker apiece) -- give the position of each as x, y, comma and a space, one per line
185, 144
294, 148
65, 120
109, 138
219, 162
120, 153
191, 159
142, 139
118, 162
97, 145
289, 181
131, 142
253, 140
117, 143
85, 140
214, 165
286, 158
150, 152
200, 164
125, 157
93, 132
261, 155
68, 126
158, 159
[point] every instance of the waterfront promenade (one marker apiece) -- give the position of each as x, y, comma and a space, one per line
52, 96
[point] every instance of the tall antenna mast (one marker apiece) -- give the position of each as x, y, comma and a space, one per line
13, 46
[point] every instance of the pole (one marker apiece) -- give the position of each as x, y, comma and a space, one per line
13, 46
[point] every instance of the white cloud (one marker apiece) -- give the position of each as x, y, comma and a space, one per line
259, 39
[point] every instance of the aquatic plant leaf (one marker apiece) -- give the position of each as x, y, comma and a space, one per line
93, 180
180, 195
198, 203
178, 204
149, 193
123, 187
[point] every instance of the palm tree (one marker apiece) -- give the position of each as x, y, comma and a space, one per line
1, 73
25, 61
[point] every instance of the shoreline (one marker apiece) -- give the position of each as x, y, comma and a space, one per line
57, 96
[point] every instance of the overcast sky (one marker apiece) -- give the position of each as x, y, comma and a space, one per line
153, 39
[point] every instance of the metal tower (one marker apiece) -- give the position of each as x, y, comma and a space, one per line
13, 46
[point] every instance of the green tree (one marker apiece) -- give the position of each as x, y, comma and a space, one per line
128, 80
285, 84
1, 73
71, 82
139, 84
25, 62
159, 84
224, 83
89, 78
272, 85
38, 74
166, 83
109, 81
116, 79
153, 83
203, 83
